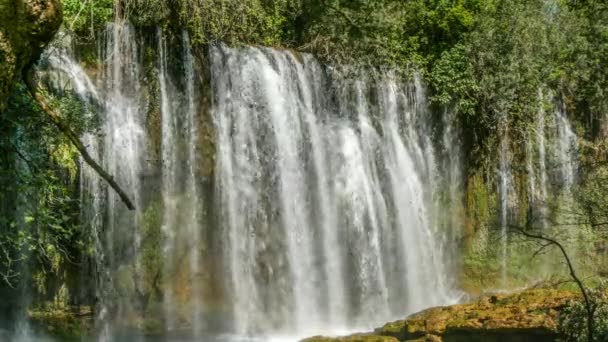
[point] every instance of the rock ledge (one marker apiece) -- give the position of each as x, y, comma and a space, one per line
527, 316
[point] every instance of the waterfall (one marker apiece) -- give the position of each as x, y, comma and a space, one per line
350, 236
124, 144
542, 168
323, 200
563, 145
504, 177
566, 150
181, 225
169, 179
64, 73
552, 177
192, 188
453, 156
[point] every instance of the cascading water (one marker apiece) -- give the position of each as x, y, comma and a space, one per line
180, 187
553, 174
192, 188
566, 150
123, 152
453, 160
542, 165
323, 201
504, 177
169, 179
350, 239
118, 143
562, 143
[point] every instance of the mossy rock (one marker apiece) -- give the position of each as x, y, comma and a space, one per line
528, 316
63, 322
352, 338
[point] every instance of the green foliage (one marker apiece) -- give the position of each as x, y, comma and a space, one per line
454, 82
357, 32
573, 318
86, 17
265, 22
386, 32
592, 196
487, 59
581, 73
38, 205
147, 13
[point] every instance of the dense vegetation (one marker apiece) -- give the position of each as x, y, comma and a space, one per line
486, 60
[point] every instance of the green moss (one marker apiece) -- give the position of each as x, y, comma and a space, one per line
481, 204
151, 248
353, 338
530, 314
63, 322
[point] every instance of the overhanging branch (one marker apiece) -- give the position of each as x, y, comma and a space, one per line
34, 88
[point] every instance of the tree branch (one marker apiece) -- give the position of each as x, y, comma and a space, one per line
34, 88
549, 241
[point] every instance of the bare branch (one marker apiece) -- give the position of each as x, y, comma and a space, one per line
550, 241
541, 249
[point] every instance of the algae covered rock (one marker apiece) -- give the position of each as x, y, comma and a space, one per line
527, 316
62, 322
26, 26
352, 338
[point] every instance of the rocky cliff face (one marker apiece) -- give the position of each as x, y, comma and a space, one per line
26, 27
